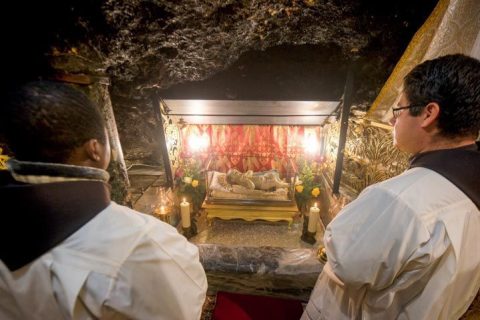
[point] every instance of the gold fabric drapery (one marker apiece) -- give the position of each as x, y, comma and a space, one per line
453, 27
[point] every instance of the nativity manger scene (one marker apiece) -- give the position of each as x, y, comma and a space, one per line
247, 162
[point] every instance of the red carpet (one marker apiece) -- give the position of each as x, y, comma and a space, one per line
235, 306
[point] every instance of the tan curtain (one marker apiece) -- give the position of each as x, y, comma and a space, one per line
453, 27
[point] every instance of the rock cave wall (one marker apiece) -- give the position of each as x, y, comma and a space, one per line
209, 48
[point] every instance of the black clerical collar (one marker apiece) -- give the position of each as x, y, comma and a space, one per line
461, 166
42, 215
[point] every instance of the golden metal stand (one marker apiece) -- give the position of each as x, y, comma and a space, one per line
250, 212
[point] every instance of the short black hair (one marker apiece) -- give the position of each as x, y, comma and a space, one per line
452, 81
44, 121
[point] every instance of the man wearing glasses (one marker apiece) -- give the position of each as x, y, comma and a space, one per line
409, 247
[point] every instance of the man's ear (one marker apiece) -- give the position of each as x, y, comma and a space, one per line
93, 149
430, 114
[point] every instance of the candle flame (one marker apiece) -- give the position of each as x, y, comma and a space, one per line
184, 200
315, 205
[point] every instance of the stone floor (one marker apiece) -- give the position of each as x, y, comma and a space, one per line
249, 234
235, 232
253, 233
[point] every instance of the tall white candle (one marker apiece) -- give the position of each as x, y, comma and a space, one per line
313, 218
185, 213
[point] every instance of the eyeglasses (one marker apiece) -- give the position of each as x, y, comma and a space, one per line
397, 111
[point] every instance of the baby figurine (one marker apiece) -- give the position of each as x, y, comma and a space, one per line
264, 180
268, 180
236, 177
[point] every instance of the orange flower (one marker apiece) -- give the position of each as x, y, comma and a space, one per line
194, 183
299, 188
315, 192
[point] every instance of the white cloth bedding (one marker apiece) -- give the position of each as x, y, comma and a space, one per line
219, 188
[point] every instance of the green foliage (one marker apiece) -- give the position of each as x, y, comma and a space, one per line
308, 186
190, 182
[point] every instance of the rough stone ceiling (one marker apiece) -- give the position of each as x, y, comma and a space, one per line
160, 43
250, 49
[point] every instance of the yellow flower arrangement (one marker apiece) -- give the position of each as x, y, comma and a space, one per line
308, 185
299, 188
190, 183
3, 160
315, 191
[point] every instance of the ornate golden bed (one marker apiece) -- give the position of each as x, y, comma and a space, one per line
266, 195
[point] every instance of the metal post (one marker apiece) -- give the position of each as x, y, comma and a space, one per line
163, 140
347, 104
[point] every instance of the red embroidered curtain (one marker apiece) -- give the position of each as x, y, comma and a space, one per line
252, 147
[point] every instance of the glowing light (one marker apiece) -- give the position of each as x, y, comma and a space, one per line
310, 144
197, 143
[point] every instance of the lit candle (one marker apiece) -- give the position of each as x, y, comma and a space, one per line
313, 218
162, 213
161, 196
185, 213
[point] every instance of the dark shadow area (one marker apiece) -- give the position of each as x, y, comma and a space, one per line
306, 72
